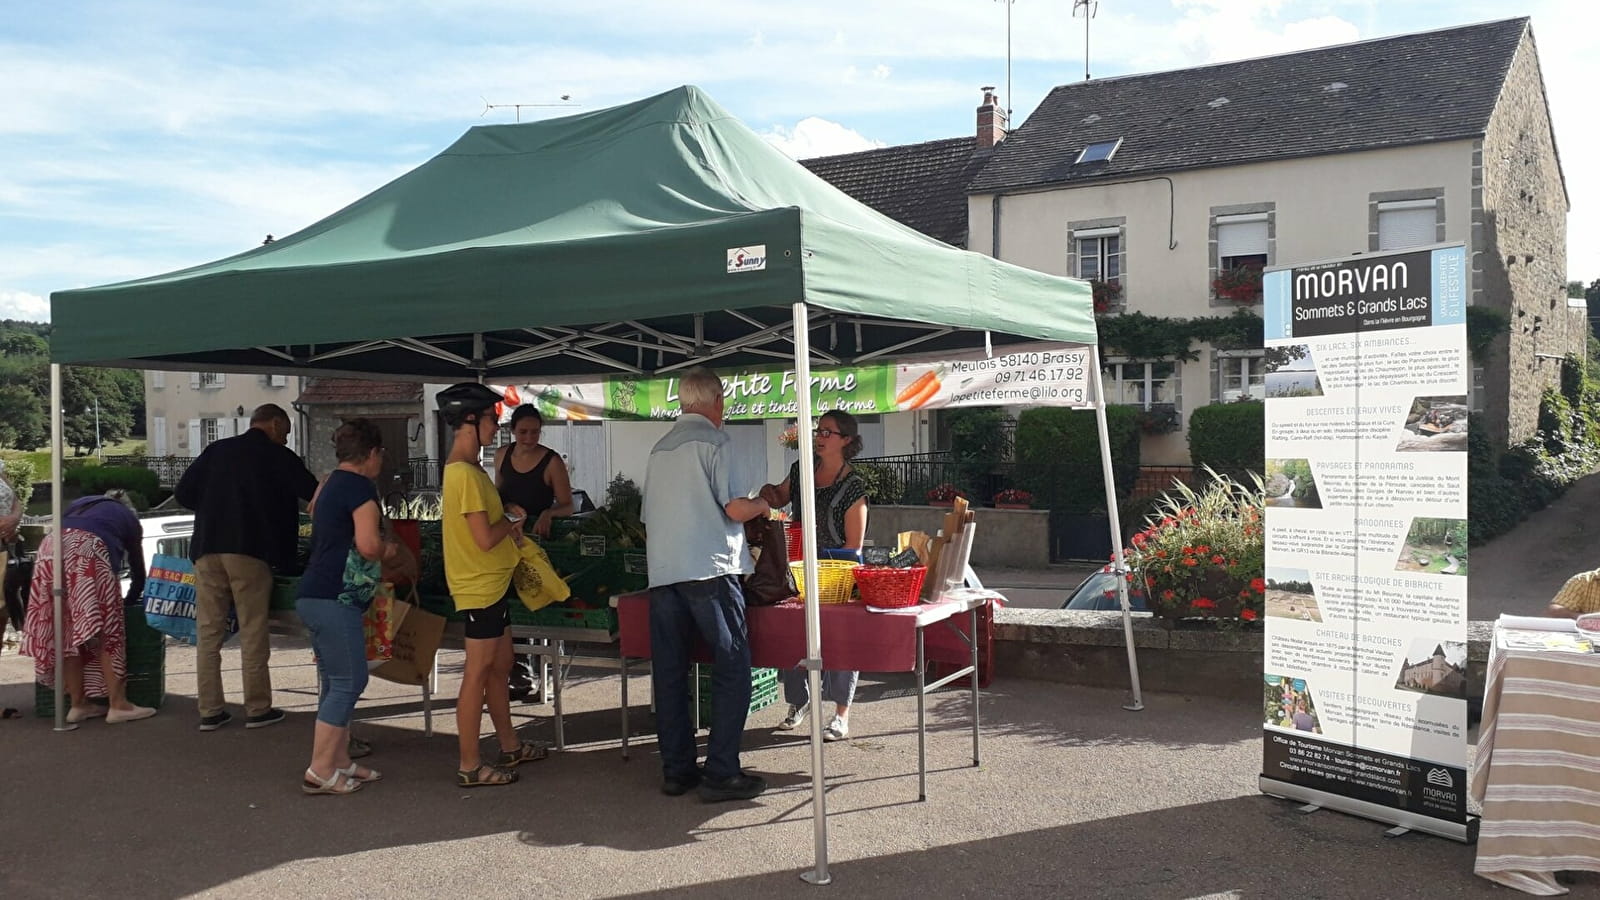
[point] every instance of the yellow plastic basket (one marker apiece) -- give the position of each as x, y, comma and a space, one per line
837, 577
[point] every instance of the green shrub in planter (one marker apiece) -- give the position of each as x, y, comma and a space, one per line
19, 471
1229, 437
1058, 456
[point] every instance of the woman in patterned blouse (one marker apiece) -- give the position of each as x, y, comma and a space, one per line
841, 525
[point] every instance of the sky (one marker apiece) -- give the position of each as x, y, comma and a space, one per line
142, 136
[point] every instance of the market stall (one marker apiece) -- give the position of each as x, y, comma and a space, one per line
642, 240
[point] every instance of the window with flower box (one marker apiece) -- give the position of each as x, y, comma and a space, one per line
1142, 384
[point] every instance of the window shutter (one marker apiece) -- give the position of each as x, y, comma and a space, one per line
278, 380
1216, 375
1406, 226
218, 380
158, 435
196, 443
194, 381
1243, 238
158, 379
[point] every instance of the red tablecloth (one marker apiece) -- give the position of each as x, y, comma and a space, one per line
852, 638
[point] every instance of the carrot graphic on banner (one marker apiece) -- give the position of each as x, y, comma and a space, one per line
920, 391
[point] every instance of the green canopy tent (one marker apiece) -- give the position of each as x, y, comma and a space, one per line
640, 239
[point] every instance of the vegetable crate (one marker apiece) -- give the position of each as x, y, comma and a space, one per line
146, 664
560, 615
764, 691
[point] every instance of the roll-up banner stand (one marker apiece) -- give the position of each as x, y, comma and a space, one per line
1368, 391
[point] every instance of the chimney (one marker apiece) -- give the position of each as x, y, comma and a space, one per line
991, 121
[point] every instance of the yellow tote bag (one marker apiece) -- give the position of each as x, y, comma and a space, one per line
537, 582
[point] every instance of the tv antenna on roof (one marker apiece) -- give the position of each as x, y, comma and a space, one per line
518, 106
1008, 59
1090, 7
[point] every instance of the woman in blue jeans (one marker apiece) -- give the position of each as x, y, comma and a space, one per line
347, 556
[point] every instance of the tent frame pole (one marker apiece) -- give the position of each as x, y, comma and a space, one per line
1120, 563
57, 569
813, 661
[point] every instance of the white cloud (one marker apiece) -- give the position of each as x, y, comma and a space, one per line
813, 136
23, 305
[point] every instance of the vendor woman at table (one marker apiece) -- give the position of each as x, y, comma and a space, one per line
532, 476
841, 525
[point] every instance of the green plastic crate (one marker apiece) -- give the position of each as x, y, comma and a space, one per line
146, 664
760, 698
559, 615
285, 592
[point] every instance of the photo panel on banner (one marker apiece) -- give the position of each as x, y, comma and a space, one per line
1364, 681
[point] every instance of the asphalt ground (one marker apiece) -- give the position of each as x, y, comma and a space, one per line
1075, 797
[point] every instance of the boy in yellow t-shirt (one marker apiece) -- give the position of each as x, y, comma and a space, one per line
480, 554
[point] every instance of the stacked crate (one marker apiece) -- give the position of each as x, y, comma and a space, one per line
763, 690
146, 667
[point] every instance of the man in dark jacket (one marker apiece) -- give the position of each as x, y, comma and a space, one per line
244, 492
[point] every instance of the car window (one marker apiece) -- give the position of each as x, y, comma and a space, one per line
174, 546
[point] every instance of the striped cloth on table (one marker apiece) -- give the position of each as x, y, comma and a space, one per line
1537, 771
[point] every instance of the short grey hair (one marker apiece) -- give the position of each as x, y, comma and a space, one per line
699, 388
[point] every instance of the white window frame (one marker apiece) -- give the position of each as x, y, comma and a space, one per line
1104, 256
211, 381
1249, 366
158, 379
158, 435
1114, 372
210, 431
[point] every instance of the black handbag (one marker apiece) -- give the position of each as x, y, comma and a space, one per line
772, 582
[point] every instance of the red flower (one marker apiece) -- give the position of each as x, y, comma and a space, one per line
1189, 561
1161, 554
1203, 548
1218, 559
1204, 603
1187, 550
1167, 595
1139, 539
1259, 585
1247, 614
1245, 594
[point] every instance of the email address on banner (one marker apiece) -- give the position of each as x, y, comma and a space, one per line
1042, 392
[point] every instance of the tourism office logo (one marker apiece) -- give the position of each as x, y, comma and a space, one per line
1441, 778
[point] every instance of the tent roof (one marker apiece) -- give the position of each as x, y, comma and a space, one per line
598, 242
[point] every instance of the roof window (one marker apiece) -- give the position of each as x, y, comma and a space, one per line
1099, 151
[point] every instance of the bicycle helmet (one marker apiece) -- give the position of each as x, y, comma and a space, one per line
459, 403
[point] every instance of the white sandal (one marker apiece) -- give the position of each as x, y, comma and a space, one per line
340, 782
372, 774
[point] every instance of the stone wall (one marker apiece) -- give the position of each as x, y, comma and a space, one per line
1519, 249
321, 422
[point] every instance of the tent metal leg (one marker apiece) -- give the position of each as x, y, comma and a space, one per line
58, 571
813, 660
622, 663
976, 758
1136, 696
922, 719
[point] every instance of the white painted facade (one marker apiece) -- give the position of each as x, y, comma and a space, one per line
1312, 208
185, 411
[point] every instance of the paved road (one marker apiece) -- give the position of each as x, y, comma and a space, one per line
1519, 572
1045, 588
1075, 798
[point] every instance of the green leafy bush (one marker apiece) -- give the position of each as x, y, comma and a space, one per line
99, 479
1058, 456
979, 438
20, 472
884, 484
1229, 437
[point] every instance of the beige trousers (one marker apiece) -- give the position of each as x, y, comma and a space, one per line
225, 581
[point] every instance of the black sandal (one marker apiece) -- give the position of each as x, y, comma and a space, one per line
10, 713
497, 777
527, 751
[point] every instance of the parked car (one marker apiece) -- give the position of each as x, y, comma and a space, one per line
1099, 592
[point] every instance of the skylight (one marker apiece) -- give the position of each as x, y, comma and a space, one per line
1099, 151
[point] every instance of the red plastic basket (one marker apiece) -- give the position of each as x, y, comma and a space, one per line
888, 588
792, 537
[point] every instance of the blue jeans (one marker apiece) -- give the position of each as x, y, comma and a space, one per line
341, 649
712, 610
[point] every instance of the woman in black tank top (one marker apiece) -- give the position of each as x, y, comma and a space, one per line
532, 475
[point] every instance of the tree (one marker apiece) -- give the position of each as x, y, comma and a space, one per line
1574, 290
22, 343
1592, 297
82, 390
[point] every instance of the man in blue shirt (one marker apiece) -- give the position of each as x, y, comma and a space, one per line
696, 499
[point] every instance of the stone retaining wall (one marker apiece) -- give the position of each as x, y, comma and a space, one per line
1087, 648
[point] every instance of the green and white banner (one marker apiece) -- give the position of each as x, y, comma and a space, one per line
1029, 374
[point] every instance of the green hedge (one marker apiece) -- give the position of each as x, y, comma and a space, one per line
1229, 436
1058, 456
99, 479
884, 484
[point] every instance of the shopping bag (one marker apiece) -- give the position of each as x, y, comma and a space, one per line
772, 582
537, 582
378, 625
169, 598
415, 642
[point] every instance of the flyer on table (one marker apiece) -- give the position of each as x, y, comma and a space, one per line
1368, 394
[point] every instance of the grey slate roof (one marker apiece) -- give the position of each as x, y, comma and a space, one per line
919, 185
1411, 89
